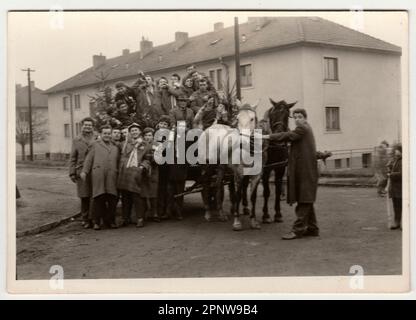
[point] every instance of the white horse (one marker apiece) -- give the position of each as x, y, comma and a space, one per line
231, 147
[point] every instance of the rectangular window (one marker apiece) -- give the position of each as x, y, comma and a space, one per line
216, 78
66, 130
331, 69
338, 164
77, 100
65, 103
332, 118
348, 162
245, 76
366, 160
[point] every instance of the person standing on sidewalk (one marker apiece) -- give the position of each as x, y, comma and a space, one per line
302, 175
395, 189
80, 147
101, 164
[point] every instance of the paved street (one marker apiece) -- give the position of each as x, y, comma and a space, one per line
352, 222
48, 195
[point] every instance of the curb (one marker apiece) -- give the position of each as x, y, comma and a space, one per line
47, 226
348, 185
24, 166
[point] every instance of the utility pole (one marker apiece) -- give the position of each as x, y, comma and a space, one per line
237, 59
29, 92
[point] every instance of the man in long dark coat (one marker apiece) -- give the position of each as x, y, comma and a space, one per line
80, 147
302, 175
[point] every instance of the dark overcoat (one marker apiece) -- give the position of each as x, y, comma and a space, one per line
145, 99
395, 190
102, 164
130, 179
80, 148
163, 101
302, 166
178, 114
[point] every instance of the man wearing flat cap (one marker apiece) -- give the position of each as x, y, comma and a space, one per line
133, 163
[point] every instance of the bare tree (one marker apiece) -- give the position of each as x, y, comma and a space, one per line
39, 132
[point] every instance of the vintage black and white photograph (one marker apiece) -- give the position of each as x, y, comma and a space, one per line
208, 150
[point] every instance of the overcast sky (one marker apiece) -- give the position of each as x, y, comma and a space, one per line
36, 39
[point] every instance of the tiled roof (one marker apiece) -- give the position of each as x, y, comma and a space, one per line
38, 97
277, 32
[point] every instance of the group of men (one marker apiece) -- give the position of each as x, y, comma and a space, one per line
147, 100
118, 162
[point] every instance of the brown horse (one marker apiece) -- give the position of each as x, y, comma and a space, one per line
277, 118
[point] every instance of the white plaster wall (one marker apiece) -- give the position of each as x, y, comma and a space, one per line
368, 94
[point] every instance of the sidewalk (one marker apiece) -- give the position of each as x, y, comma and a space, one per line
48, 197
357, 182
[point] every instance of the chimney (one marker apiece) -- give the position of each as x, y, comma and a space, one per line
218, 26
32, 85
180, 39
259, 22
18, 86
125, 52
98, 60
146, 47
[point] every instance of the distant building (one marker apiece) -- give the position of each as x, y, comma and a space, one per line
39, 101
348, 81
